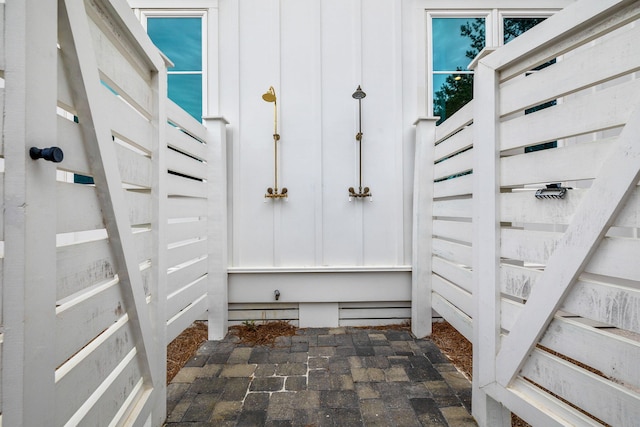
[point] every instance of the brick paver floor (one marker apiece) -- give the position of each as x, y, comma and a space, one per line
321, 377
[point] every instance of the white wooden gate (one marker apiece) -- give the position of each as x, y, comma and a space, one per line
107, 255
557, 281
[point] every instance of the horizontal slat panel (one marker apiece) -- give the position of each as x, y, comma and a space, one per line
177, 232
517, 281
186, 317
179, 300
460, 321
179, 186
84, 319
574, 162
454, 252
185, 143
616, 356
186, 207
2, 213
456, 143
524, 207
1, 117
84, 372
458, 186
126, 379
454, 165
69, 139
614, 305
601, 110
82, 265
263, 315
455, 208
452, 293
509, 312
374, 304
462, 277
128, 80
134, 168
604, 399
528, 246
187, 251
127, 123
456, 230
69, 217
178, 277
375, 313
65, 98
178, 162
453, 124
616, 55
184, 120
140, 206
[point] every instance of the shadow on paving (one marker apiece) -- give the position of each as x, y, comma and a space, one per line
321, 377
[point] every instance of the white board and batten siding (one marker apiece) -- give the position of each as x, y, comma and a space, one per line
566, 291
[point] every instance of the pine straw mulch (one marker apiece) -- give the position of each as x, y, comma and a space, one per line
179, 351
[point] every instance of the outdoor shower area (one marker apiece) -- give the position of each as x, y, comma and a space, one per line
320, 189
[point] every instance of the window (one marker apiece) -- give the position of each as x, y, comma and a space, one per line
455, 41
180, 38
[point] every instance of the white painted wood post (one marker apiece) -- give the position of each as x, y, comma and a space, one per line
485, 243
422, 227
217, 226
28, 368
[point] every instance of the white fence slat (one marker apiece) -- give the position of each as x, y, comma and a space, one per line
140, 206
454, 165
1, 214
616, 257
69, 217
517, 281
610, 402
179, 186
616, 55
523, 207
374, 304
130, 81
185, 143
454, 273
178, 162
69, 139
459, 186
453, 315
127, 123
188, 273
454, 208
1, 115
64, 90
616, 356
601, 110
528, 246
454, 144
108, 399
607, 303
186, 317
180, 299
180, 231
452, 293
82, 265
186, 207
90, 367
509, 313
80, 321
134, 168
574, 162
453, 124
185, 121
455, 230
453, 252
187, 251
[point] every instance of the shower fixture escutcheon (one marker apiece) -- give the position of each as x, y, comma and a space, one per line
362, 192
272, 192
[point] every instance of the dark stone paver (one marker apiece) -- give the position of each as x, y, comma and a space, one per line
321, 377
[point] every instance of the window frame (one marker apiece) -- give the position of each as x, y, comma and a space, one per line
494, 35
145, 14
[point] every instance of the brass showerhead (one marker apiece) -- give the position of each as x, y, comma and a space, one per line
270, 95
358, 94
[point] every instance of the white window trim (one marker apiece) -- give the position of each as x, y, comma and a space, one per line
144, 14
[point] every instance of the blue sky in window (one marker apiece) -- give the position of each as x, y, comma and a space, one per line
186, 91
180, 39
449, 47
